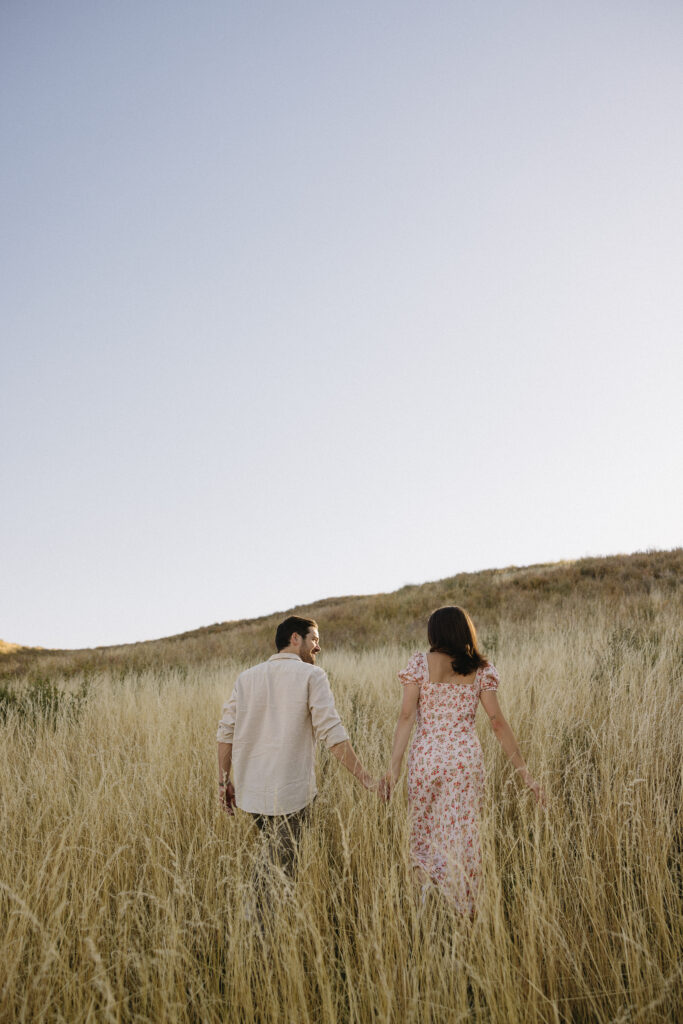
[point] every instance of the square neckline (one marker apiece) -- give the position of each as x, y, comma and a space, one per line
435, 682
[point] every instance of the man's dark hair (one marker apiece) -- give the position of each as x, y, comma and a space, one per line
294, 624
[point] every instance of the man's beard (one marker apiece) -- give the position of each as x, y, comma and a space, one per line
307, 656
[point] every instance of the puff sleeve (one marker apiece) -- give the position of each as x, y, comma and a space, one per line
414, 672
489, 678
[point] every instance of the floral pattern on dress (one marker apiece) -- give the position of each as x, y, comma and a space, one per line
446, 781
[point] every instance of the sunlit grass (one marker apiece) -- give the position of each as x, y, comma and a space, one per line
123, 889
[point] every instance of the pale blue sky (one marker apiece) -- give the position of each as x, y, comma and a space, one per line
305, 299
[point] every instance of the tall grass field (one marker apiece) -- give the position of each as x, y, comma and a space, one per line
125, 893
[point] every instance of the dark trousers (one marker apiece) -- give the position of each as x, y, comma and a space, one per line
278, 852
280, 835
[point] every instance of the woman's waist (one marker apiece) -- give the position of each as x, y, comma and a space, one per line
434, 724
447, 739
435, 758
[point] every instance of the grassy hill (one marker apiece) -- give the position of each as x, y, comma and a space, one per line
611, 584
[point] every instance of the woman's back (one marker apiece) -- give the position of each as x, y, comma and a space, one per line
441, 670
448, 702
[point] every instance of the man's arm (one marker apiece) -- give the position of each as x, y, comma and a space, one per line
346, 755
226, 731
327, 727
226, 790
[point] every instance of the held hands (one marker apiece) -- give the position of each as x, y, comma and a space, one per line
376, 786
385, 788
387, 784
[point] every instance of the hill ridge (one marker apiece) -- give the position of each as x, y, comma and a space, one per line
362, 621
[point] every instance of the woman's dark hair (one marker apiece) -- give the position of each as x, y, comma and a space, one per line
294, 624
451, 631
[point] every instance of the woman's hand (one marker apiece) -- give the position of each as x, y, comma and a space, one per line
387, 785
535, 788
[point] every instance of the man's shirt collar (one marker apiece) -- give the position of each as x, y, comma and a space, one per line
276, 657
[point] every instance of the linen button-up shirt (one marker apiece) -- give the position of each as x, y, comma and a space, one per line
277, 713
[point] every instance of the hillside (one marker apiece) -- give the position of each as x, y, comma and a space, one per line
6, 648
514, 594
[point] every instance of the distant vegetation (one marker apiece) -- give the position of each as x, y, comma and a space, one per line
510, 595
40, 701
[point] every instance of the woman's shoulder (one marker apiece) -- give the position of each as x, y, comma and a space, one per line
488, 677
416, 671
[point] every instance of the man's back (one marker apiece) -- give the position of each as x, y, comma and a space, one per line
277, 712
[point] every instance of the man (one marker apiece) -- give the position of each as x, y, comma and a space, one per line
277, 713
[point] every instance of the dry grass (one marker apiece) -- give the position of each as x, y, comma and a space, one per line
123, 889
6, 648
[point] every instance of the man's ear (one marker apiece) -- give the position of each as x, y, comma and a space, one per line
292, 640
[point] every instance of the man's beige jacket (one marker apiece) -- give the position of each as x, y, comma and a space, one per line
277, 713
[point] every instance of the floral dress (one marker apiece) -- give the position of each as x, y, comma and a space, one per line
446, 781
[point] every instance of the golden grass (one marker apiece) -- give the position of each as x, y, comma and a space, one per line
6, 648
123, 889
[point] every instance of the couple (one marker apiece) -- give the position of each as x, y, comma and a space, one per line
281, 708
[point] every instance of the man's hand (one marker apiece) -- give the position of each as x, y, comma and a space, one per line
226, 797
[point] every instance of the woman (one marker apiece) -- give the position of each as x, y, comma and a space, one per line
445, 766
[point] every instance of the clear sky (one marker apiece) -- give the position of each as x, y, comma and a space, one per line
301, 299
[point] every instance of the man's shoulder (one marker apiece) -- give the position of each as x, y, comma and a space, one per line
318, 676
249, 673
292, 668
253, 670
297, 666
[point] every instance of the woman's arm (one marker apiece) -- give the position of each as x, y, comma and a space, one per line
404, 726
506, 738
